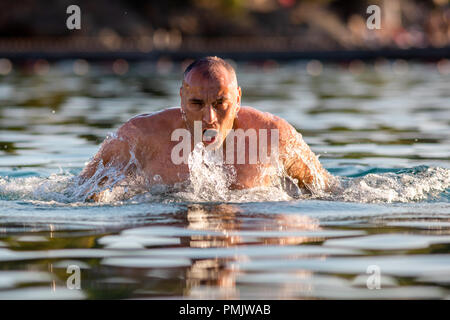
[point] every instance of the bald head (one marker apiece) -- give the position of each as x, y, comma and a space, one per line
210, 68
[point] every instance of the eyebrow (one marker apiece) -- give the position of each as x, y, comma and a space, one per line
196, 100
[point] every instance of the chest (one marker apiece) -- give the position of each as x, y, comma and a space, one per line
162, 170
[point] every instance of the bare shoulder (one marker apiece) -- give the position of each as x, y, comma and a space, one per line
148, 125
251, 117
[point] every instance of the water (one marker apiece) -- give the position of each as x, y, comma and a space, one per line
384, 132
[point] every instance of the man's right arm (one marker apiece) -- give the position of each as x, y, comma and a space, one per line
114, 153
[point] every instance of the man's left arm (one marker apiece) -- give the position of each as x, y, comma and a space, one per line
300, 162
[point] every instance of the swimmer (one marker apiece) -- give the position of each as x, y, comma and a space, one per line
210, 96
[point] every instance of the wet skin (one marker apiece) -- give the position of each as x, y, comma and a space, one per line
214, 99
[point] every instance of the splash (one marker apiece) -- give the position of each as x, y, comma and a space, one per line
407, 185
54, 188
208, 175
309, 166
210, 181
112, 183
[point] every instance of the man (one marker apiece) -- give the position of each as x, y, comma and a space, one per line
210, 113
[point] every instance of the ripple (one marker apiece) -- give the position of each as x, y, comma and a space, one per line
141, 240
42, 293
171, 231
388, 242
428, 225
253, 251
10, 279
403, 266
31, 238
146, 262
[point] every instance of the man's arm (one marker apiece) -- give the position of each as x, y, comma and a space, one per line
112, 162
299, 161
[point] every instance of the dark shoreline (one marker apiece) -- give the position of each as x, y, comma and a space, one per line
423, 54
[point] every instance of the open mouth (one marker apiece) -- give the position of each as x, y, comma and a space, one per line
210, 135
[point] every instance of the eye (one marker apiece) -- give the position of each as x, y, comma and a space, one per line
196, 104
220, 105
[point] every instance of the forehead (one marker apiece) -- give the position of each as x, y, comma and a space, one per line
202, 80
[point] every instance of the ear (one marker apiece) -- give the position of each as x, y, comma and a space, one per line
239, 96
181, 89
238, 101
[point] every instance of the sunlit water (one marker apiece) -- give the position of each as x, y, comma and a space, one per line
385, 133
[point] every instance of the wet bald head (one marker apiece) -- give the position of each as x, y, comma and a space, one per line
210, 68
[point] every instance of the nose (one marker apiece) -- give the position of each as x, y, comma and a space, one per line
209, 115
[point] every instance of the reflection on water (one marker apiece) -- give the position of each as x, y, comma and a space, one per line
386, 133
227, 251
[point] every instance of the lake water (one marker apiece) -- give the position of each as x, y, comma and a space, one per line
383, 128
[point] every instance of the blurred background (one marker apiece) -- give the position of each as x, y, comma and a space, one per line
238, 29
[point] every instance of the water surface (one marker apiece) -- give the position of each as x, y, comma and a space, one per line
385, 131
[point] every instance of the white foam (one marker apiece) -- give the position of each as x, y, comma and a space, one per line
210, 180
394, 187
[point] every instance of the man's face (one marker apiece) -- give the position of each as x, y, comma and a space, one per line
212, 99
